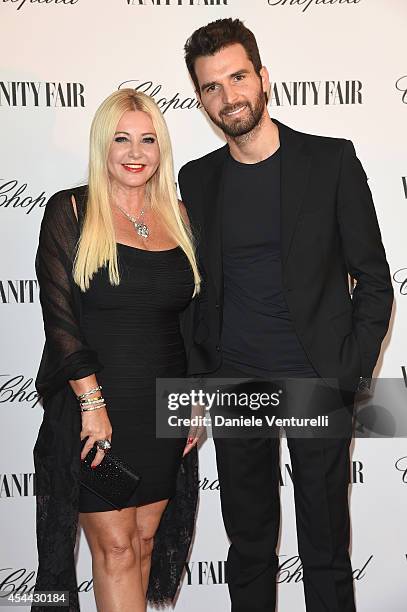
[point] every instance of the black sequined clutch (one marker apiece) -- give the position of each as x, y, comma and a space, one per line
113, 479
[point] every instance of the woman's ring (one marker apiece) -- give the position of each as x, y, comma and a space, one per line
103, 445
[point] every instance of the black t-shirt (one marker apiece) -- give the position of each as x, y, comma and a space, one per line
258, 335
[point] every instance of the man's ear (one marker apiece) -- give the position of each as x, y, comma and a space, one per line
265, 81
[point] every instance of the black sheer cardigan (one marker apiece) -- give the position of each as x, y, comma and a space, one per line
57, 449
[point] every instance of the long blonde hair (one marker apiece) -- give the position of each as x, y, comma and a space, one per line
97, 244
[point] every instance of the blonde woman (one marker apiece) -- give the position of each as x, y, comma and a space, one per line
116, 268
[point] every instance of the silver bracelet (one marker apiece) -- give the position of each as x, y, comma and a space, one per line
90, 408
100, 402
83, 395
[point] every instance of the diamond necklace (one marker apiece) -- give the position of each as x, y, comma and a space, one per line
140, 227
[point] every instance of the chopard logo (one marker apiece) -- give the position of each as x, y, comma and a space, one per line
18, 291
21, 3
401, 85
316, 93
42, 94
401, 466
11, 582
18, 581
208, 485
17, 389
400, 277
173, 101
11, 196
177, 2
291, 570
305, 4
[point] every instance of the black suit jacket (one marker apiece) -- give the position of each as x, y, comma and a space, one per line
329, 229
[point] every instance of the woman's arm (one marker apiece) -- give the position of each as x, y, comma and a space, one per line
66, 358
66, 354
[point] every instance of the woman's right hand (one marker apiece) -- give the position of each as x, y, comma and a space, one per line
96, 426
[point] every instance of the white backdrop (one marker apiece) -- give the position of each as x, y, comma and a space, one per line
59, 59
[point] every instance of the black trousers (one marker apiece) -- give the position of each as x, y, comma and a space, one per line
248, 471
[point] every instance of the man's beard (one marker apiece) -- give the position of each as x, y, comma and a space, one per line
241, 127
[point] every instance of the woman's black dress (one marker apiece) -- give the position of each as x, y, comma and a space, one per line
134, 329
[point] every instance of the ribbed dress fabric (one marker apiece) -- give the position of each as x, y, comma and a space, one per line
134, 329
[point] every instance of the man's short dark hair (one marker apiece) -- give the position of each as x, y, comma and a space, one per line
217, 35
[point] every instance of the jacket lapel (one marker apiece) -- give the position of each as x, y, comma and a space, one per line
295, 166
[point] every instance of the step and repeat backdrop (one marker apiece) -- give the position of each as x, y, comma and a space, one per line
338, 68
